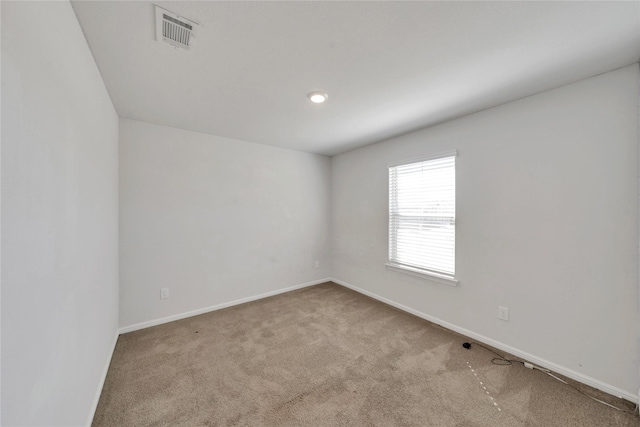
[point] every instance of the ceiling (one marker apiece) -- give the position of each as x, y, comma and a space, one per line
388, 67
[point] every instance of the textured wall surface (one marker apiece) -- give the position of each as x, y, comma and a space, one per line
59, 218
215, 220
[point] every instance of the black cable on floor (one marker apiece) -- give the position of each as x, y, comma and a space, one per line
503, 361
500, 360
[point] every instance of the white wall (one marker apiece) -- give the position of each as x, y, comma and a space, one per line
547, 225
215, 220
59, 218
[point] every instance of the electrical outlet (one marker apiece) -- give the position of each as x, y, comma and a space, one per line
503, 313
164, 293
317, 264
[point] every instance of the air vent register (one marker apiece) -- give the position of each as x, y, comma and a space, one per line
174, 29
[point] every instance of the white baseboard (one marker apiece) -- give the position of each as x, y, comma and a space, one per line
103, 377
607, 388
174, 317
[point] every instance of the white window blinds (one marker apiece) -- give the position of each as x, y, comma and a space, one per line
422, 212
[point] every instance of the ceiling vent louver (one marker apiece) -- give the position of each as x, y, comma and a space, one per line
174, 29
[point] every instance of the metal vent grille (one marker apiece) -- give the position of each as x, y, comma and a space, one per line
174, 30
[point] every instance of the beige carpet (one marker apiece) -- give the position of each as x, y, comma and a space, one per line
328, 356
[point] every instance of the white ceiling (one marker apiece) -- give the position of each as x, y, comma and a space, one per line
388, 67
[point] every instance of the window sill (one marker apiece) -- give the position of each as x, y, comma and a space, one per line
435, 277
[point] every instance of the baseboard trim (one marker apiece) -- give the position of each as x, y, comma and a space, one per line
192, 313
607, 388
103, 377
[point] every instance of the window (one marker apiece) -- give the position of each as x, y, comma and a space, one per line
422, 217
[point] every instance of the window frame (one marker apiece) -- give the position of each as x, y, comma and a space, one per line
447, 279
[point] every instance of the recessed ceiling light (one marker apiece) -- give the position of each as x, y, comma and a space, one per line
317, 97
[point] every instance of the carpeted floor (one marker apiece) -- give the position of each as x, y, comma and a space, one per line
328, 356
